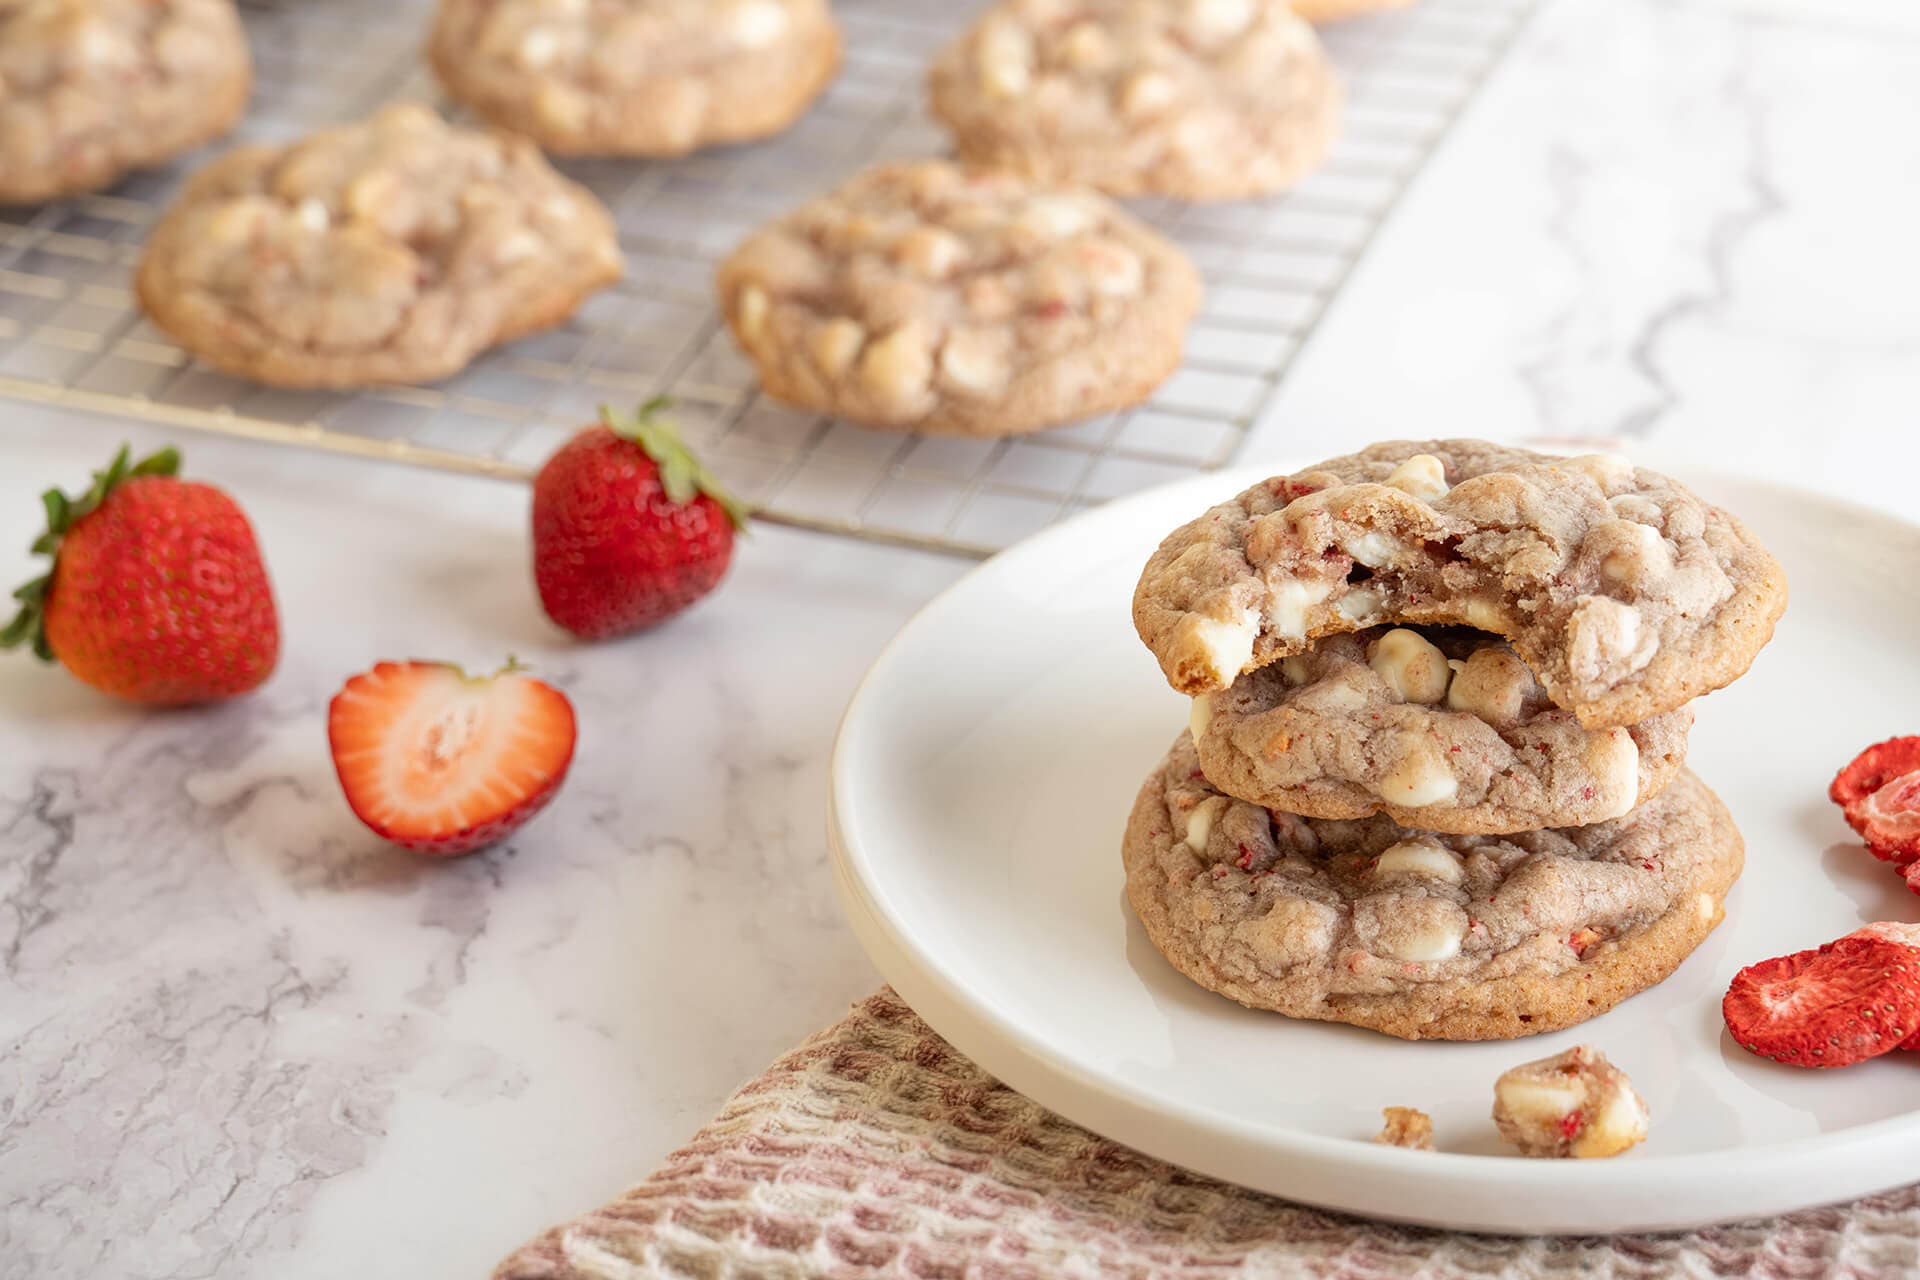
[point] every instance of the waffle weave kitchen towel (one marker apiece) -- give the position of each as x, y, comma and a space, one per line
877, 1149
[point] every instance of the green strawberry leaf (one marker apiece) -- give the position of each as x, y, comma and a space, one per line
29, 623
682, 475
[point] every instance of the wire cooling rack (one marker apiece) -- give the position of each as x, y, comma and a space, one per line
71, 335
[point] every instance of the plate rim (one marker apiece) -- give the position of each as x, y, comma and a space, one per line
1030, 1066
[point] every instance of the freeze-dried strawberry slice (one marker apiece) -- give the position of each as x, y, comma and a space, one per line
1902, 932
1874, 768
1889, 819
1845, 1002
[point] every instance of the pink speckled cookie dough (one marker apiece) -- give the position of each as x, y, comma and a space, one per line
1441, 728
1423, 936
1624, 593
1199, 99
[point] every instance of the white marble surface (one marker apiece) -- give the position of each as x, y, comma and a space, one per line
244, 1039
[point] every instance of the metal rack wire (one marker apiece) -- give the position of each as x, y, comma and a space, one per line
71, 335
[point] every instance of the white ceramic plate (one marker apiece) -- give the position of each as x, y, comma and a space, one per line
983, 776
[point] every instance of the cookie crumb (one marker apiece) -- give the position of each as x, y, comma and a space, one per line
1407, 1127
1573, 1104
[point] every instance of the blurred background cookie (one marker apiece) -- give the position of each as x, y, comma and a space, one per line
1199, 99
930, 297
393, 250
635, 77
90, 89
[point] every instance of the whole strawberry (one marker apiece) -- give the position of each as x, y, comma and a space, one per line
628, 526
157, 591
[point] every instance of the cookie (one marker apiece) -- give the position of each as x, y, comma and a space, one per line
393, 250
92, 89
1199, 99
1423, 936
635, 77
930, 297
1443, 729
1320, 12
1623, 592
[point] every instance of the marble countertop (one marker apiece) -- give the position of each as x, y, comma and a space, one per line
243, 1038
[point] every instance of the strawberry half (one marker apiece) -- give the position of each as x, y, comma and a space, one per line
157, 593
442, 762
628, 527
1879, 791
1850, 1000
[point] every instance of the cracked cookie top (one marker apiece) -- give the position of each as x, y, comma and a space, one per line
635, 77
92, 88
932, 297
392, 250
1202, 99
1621, 590
1439, 728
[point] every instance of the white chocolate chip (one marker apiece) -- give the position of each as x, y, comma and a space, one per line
929, 252
538, 48
1372, 548
1200, 822
1639, 553
1200, 715
1421, 858
1484, 614
561, 107
1537, 1101
1606, 641
1361, 604
1608, 470
975, 361
757, 23
753, 311
1422, 476
1287, 606
1492, 684
1226, 646
312, 215
1006, 59
1147, 93
1411, 665
1087, 47
1112, 268
1419, 777
1704, 906
1055, 217
1618, 1121
1613, 759
1294, 670
1430, 929
1218, 19
898, 367
835, 344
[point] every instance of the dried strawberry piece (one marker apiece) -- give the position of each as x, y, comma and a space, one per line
1902, 932
1889, 819
1874, 768
1845, 1002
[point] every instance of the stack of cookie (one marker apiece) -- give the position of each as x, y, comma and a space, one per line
1434, 779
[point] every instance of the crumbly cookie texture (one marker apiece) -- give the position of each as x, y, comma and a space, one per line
635, 77
91, 89
1320, 12
1200, 99
393, 250
931, 297
1573, 1104
1623, 592
1442, 728
1423, 936
1407, 1127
